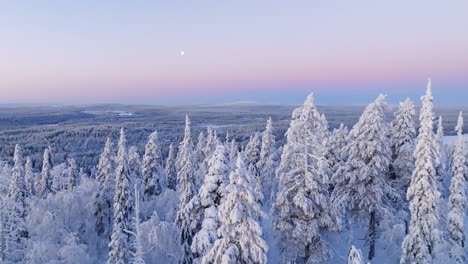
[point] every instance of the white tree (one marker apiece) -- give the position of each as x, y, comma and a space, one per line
419, 245
233, 150
337, 151
15, 224
252, 157
44, 186
363, 186
120, 244
209, 198
355, 256
104, 200
29, 176
152, 168
187, 190
72, 174
268, 161
200, 148
302, 207
441, 173
211, 143
240, 235
171, 173
252, 153
104, 167
457, 199
134, 165
138, 255
403, 143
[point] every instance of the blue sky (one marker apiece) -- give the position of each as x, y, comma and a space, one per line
346, 52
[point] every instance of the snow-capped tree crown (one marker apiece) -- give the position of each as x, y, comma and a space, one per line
419, 245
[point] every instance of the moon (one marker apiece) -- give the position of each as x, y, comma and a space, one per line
182, 53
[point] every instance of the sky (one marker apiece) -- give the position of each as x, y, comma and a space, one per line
346, 52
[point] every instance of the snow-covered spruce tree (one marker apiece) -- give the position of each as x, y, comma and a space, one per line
211, 143
268, 161
419, 245
252, 157
187, 190
439, 140
209, 198
138, 254
134, 165
252, 153
104, 197
72, 174
104, 167
233, 150
200, 148
171, 173
44, 186
15, 220
29, 176
120, 244
355, 256
403, 143
337, 150
2, 231
240, 235
457, 200
302, 208
152, 168
441, 173
363, 187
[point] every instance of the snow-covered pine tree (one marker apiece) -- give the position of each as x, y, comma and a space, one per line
104, 167
457, 199
138, 254
152, 168
17, 233
240, 235
29, 176
44, 186
403, 143
209, 198
355, 256
104, 197
419, 245
72, 174
187, 190
134, 165
302, 208
120, 244
171, 173
268, 161
363, 187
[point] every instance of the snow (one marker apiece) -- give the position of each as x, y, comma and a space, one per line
198, 212
450, 140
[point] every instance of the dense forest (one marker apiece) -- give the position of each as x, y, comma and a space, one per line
380, 192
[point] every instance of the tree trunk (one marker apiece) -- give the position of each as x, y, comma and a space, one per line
371, 236
307, 253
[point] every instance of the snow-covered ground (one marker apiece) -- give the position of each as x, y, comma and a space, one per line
451, 139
